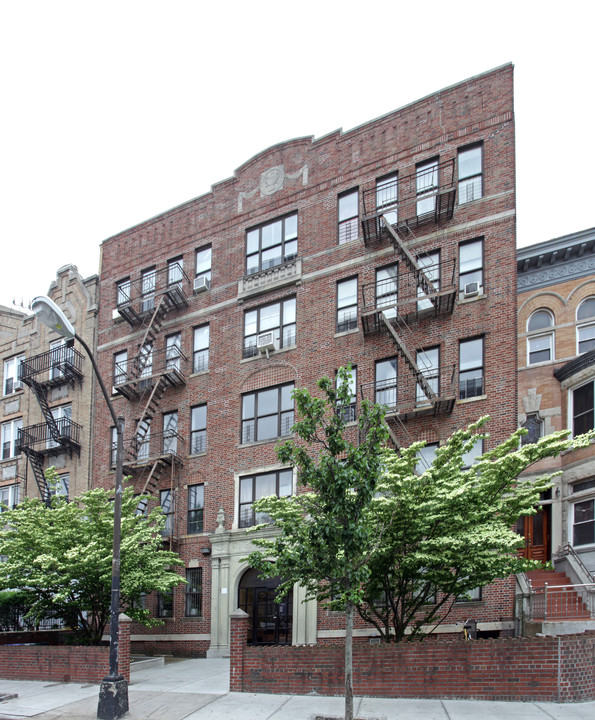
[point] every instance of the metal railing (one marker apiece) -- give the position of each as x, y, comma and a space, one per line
155, 362
13, 619
169, 445
39, 437
563, 602
139, 296
62, 364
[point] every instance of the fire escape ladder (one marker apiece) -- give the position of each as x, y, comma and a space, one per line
153, 477
423, 281
36, 460
149, 411
153, 327
40, 393
406, 355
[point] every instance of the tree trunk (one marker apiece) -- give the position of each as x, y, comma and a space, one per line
349, 661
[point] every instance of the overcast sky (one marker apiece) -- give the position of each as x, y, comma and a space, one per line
113, 112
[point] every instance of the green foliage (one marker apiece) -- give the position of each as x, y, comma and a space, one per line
62, 557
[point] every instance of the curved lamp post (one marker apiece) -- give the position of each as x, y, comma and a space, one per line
113, 692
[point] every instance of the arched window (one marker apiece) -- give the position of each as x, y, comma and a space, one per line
585, 326
540, 337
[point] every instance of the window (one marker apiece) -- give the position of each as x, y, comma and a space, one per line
583, 409
471, 368
347, 305
175, 271
120, 367
585, 329
62, 486
425, 456
387, 197
583, 527
193, 605
196, 497
123, 292
165, 604
145, 360
470, 174
200, 355
428, 361
148, 278
471, 456
267, 414
198, 429
61, 353
540, 344
386, 382
203, 263
173, 351
9, 497
278, 318
348, 214
10, 435
170, 433
387, 283
271, 244
430, 264
166, 503
426, 185
11, 374
473, 595
349, 411
534, 427
143, 444
254, 487
62, 415
471, 264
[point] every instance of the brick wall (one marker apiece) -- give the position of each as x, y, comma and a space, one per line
552, 669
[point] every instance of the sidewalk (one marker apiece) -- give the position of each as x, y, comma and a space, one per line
198, 689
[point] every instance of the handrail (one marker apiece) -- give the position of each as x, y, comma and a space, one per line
567, 549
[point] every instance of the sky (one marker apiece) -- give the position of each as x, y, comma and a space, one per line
113, 112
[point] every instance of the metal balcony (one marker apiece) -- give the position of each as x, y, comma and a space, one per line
405, 399
135, 378
168, 447
55, 367
137, 300
401, 298
407, 207
41, 440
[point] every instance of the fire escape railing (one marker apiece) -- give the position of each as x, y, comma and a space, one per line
62, 364
43, 439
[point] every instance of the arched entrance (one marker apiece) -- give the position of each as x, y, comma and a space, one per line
271, 622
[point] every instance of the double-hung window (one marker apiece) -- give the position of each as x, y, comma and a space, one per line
426, 185
540, 337
347, 305
120, 367
175, 271
255, 487
425, 457
165, 604
276, 318
196, 501
387, 197
200, 354
348, 216
148, 284
430, 265
386, 382
9, 497
170, 432
471, 267
10, 435
198, 429
63, 417
173, 351
11, 374
203, 266
166, 503
348, 410
267, 414
585, 326
387, 283
471, 365
583, 525
271, 244
583, 409
428, 361
123, 288
470, 174
193, 604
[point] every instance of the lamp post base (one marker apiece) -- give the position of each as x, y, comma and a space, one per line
113, 698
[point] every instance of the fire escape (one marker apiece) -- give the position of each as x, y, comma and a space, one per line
58, 366
144, 379
423, 288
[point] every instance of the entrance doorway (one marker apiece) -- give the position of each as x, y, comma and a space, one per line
270, 621
535, 529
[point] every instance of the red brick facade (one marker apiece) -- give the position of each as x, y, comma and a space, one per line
306, 177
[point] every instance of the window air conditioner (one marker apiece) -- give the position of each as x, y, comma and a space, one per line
201, 283
265, 342
472, 289
115, 314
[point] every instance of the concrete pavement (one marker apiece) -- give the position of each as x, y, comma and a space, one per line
198, 689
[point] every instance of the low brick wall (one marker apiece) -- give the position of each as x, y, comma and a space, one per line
554, 669
64, 663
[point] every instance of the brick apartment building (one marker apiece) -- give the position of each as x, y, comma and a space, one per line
48, 395
390, 247
556, 321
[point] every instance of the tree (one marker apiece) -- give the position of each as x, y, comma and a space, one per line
449, 529
324, 542
62, 557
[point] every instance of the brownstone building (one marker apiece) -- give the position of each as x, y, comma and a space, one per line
390, 247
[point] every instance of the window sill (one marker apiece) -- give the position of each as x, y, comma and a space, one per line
190, 618
463, 300
197, 455
265, 442
197, 536
272, 353
14, 393
473, 399
198, 374
347, 332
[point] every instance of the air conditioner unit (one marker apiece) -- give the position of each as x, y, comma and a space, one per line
265, 342
116, 314
472, 289
201, 283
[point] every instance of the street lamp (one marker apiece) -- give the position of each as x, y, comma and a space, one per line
113, 692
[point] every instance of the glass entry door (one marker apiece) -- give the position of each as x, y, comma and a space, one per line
270, 621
